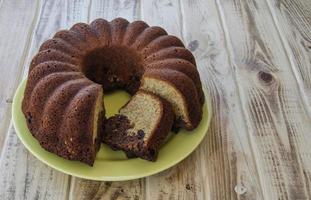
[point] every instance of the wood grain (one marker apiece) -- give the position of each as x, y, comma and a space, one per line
277, 123
110, 9
14, 47
25, 177
292, 19
91, 190
84, 189
22, 175
165, 13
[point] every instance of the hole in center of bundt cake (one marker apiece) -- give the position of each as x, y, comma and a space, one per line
114, 67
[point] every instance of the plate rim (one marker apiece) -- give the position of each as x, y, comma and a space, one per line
16, 107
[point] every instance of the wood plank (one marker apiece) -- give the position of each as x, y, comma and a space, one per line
13, 51
22, 176
85, 189
293, 20
277, 122
221, 168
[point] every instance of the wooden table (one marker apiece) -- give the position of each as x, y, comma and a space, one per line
254, 58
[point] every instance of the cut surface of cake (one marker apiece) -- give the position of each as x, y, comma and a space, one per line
141, 126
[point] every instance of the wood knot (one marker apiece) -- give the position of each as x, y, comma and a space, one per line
188, 187
240, 189
108, 184
193, 45
265, 77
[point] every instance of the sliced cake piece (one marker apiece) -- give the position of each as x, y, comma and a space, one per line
179, 90
141, 126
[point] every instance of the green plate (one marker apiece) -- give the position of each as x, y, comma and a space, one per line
113, 165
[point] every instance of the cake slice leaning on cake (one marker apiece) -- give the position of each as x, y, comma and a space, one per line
175, 87
141, 126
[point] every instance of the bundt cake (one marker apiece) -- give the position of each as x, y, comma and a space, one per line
63, 96
141, 126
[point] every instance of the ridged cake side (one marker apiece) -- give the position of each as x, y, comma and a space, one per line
59, 102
